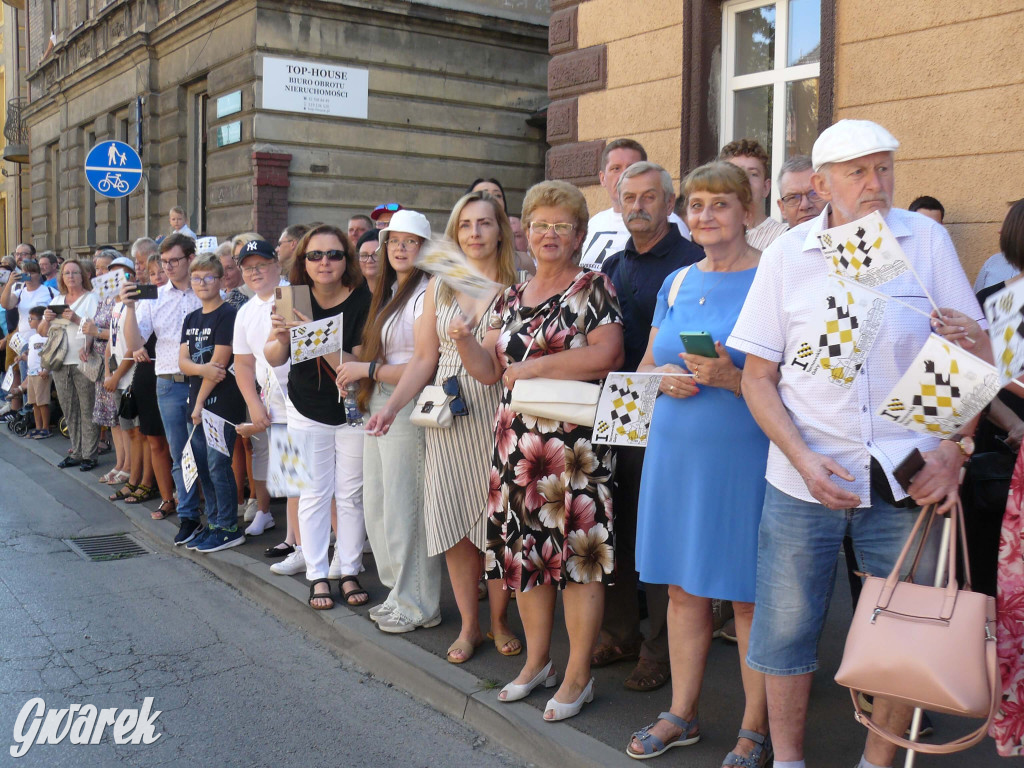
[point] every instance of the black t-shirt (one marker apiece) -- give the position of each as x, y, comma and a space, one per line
202, 332
311, 384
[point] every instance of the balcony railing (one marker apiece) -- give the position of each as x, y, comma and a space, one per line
16, 132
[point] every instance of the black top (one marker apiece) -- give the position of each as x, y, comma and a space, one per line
202, 332
638, 277
311, 384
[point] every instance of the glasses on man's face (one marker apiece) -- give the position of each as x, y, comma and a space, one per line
23, 254
282, 241
793, 200
541, 228
256, 269
204, 279
321, 255
452, 389
403, 245
369, 258
172, 263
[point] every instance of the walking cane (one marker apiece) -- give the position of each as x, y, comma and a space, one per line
940, 568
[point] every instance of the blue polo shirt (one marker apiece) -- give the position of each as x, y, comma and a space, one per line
637, 278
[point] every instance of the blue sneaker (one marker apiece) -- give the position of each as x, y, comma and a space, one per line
221, 538
187, 530
201, 534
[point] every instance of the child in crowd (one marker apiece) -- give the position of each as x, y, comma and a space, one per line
38, 377
205, 356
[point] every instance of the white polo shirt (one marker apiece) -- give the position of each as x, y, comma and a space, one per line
252, 329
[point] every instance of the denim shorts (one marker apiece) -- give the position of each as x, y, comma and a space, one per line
798, 544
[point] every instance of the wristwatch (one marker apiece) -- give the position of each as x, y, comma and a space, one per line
965, 443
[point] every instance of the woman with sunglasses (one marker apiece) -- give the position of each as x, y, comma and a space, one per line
458, 458
323, 261
393, 462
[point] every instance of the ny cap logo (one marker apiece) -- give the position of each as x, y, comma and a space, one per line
251, 246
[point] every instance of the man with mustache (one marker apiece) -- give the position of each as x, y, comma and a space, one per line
654, 250
831, 460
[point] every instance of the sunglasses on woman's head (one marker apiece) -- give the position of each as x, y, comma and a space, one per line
320, 255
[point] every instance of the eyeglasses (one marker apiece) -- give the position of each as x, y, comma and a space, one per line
793, 200
282, 241
541, 228
404, 245
319, 255
368, 257
257, 269
170, 263
205, 279
451, 388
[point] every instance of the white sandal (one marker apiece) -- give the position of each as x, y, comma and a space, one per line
515, 692
565, 711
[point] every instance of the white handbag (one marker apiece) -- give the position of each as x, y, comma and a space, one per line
432, 409
566, 400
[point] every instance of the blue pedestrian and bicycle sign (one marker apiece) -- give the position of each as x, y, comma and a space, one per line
113, 168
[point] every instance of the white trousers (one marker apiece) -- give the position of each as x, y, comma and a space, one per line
336, 466
393, 471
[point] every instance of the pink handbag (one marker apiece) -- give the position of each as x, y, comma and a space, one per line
924, 646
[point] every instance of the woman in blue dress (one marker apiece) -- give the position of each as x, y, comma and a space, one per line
703, 480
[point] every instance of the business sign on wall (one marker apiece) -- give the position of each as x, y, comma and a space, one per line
314, 88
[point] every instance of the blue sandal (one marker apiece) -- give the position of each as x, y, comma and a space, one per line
653, 746
758, 757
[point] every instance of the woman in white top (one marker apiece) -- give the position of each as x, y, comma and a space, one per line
393, 463
75, 391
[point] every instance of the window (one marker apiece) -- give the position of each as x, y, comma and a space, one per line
198, 129
53, 220
771, 54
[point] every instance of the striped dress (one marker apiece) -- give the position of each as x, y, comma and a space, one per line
458, 461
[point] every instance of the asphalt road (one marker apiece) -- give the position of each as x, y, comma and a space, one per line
232, 684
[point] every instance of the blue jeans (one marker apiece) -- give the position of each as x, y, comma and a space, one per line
172, 399
218, 482
798, 544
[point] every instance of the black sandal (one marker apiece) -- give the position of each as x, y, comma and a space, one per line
314, 596
126, 491
358, 592
279, 550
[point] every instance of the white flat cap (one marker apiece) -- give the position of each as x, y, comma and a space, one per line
850, 139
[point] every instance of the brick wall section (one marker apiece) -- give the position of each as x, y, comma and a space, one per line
270, 182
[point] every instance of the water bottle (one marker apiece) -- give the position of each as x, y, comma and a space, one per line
353, 416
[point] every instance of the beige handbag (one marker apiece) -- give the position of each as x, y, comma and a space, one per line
557, 399
928, 647
431, 409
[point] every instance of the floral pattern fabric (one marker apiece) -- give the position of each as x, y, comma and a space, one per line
1008, 727
549, 508
104, 412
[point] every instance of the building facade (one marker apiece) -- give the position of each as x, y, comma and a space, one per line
450, 91
14, 179
685, 77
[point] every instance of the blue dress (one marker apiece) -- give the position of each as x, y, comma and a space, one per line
703, 480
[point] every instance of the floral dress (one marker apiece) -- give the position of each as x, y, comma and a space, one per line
1008, 727
549, 508
104, 412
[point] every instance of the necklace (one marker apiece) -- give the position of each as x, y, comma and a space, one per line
704, 296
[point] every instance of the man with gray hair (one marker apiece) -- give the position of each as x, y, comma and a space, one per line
654, 250
142, 249
831, 459
798, 202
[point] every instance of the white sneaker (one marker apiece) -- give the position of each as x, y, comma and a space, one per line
334, 572
294, 563
249, 510
262, 522
379, 612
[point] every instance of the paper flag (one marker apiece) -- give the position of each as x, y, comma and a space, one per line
189, 470
316, 339
1005, 313
213, 430
864, 250
943, 389
206, 245
288, 473
841, 336
16, 343
445, 260
625, 408
8, 381
108, 285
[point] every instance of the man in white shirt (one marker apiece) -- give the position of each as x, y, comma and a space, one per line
751, 157
165, 316
831, 460
606, 232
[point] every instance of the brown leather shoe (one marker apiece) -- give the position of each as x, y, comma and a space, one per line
605, 654
648, 676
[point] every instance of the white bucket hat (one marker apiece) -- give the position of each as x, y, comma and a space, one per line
413, 222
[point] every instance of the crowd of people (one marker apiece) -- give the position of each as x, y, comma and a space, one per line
755, 474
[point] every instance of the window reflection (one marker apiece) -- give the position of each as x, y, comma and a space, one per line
755, 40
753, 115
804, 32
801, 116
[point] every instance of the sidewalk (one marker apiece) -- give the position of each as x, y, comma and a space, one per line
415, 662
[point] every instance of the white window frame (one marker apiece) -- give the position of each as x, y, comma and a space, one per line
777, 77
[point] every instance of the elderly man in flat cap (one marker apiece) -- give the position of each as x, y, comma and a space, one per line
831, 462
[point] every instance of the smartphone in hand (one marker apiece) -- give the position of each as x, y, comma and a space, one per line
698, 343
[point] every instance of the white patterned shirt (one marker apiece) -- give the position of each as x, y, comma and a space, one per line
833, 421
765, 233
164, 316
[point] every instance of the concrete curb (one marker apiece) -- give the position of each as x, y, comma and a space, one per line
429, 678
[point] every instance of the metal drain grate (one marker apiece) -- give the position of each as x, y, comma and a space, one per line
115, 546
